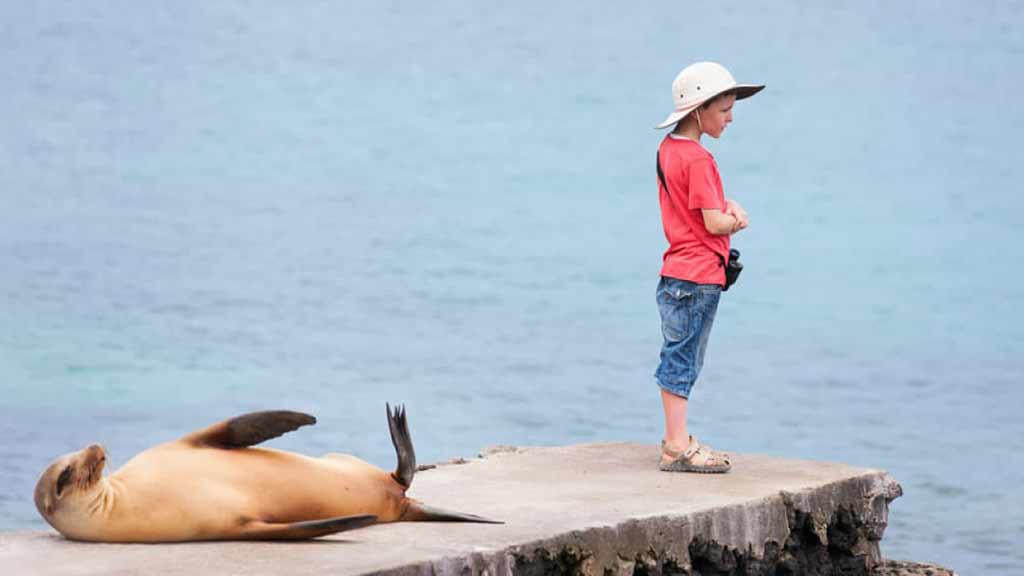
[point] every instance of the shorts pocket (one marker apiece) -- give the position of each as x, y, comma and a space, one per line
676, 308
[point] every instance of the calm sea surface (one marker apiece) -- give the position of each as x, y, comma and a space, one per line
214, 207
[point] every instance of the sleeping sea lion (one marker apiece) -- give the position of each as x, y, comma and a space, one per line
213, 485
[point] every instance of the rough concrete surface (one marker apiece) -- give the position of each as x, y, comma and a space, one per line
585, 509
901, 568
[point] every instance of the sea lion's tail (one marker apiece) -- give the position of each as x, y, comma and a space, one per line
400, 437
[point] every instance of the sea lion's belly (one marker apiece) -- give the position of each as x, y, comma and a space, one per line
199, 493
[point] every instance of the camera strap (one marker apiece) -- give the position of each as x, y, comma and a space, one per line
664, 184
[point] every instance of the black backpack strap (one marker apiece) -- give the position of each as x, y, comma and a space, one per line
661, 175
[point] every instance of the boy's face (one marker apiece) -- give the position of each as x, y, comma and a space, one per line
717, 115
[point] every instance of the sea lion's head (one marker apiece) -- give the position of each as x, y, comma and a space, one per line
69, 486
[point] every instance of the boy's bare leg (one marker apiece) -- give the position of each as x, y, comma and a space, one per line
676, 434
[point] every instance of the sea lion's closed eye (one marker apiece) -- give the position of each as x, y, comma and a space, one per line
63, 480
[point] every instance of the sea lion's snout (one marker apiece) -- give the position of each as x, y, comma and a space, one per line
94, 459
96, 451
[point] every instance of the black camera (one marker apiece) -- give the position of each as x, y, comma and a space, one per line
732, 268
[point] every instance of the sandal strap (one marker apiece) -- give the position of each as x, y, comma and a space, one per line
694, 448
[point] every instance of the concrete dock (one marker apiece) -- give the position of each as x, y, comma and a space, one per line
585, 509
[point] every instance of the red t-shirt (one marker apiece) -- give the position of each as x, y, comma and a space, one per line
694, 184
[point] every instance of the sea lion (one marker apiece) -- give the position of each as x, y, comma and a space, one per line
213, 485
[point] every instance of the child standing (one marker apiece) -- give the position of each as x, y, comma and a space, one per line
698, 221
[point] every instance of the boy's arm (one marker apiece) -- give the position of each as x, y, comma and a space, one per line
720, 223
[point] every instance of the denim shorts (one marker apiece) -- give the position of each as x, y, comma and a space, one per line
687, 312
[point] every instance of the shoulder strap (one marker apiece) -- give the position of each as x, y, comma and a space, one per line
661, 175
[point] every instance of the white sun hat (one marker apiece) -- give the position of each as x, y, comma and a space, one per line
700, 82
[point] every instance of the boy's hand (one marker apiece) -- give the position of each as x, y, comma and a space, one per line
734, 209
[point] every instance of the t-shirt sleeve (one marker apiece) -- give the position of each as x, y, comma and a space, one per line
705, 188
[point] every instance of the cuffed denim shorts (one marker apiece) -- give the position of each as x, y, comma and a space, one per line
687, 312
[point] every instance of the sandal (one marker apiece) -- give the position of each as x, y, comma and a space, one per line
696, 458
723, 454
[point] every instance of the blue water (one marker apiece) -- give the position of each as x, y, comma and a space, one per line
210, 208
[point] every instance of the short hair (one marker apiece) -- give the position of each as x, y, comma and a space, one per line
705, 105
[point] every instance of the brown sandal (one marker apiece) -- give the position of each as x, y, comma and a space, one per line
696, 458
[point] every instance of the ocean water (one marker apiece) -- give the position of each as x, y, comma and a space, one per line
215, 207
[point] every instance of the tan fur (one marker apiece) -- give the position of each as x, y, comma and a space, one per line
180, 491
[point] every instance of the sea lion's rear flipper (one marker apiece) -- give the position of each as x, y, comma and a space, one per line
249, 429
420, 512
256, 530
417, 511
400, 437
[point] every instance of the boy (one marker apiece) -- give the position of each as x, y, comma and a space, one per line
698, 221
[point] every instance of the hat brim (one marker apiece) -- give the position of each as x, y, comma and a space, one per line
745, 90
677, 115
740, 90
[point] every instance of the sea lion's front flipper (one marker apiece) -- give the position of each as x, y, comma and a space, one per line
249, 429
256, 530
